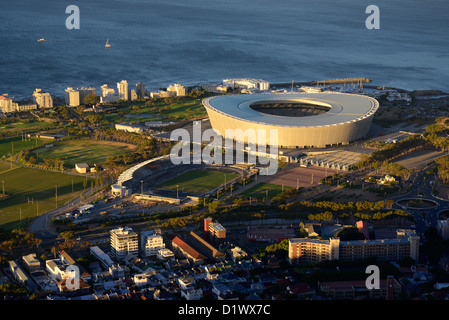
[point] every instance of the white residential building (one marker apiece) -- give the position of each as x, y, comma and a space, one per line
192, 294
123, 92
7, 105
107, 94
75, 97
151, 242
245, 83
165, 254
178, 89
59, 270
124, 241
42, 99
104, 259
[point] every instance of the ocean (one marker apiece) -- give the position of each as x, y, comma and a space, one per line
196, 41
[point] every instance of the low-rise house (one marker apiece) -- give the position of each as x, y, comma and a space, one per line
221, 289
82, 167
31, 263
59, 270
161, 294
20, 275
186, 282
192, 294
165, 254
80, 288
301, 290
44, 282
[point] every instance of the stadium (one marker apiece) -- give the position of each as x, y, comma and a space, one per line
302, 120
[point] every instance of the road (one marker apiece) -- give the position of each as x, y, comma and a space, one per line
422, 189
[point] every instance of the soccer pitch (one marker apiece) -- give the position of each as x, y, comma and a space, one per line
198, 181
33, 192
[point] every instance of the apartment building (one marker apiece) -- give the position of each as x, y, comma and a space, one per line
151, 242
42, 99
245, 83
140, 90
214, 230
75, 97
312, 250
7, 105
107, 94
178, 89
123, 91
124, 241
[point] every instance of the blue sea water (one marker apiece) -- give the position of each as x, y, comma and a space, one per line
195, 41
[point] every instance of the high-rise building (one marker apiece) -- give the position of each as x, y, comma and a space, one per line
42, 99
123, 93
151, 242
7, 105
178, 89
132, 95
107, 94
124, 241
74, 98
140, 90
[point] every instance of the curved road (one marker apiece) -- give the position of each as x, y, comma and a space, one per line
422, 189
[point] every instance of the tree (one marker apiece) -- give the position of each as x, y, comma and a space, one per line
350, 233
91, 99
67, 235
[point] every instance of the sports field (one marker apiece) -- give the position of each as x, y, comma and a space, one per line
17, 144
90, 151
33, 192
198, 181
261, 190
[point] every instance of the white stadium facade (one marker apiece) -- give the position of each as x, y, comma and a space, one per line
302, 120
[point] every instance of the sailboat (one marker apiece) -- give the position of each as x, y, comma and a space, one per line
107, 45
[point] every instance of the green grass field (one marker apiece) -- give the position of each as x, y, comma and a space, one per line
17, 144
198, 181
33, 192
186, 108
17, 128
259, 191
84, 150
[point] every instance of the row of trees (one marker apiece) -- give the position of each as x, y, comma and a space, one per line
437, 132
443, 168
328, 216
352, 207
20, 238
142, 141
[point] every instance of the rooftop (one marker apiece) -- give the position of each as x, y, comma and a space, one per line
344, 108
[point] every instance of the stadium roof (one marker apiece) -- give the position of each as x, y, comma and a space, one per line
344, 108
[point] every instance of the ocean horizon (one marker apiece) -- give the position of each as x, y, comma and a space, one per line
164, 42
